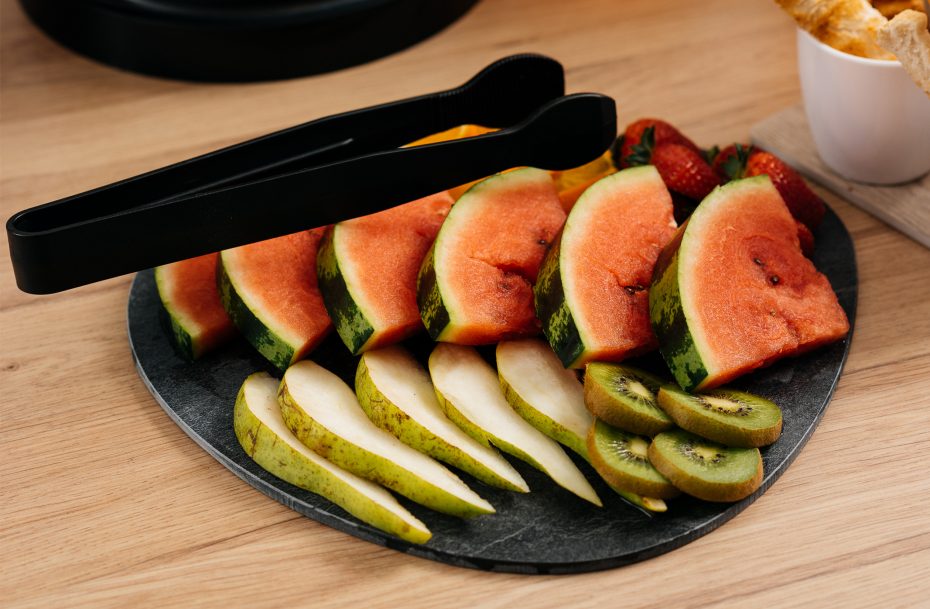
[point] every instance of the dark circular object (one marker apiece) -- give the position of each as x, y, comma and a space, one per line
548, 530
240, 40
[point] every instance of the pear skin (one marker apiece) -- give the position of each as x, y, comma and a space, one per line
324, 414
397, 395
264, 437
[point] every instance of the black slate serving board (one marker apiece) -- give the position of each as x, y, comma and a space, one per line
547, 530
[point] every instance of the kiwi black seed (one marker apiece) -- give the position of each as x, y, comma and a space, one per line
625, 397
622, 460
728, 416
705, 469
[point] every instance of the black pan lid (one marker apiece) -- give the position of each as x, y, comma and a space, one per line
240, 40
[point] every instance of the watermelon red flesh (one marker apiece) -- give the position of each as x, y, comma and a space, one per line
747, 293
606, 257
368, 271
270, 291
476, 285
188, 292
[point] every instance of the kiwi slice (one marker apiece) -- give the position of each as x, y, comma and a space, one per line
625, 397
728, 416
704, 469
622, 460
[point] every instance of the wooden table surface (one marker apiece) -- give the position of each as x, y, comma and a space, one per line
106, 503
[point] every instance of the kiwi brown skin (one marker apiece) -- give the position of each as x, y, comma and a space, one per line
688, 419
620, 480
604, 406
703, 489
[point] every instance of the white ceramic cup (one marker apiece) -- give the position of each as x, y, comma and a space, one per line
870, 121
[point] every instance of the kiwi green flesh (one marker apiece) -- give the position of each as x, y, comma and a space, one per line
728, 416
622, 460
704, 469
625, 397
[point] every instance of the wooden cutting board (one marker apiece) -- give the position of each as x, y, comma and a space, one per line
905, 207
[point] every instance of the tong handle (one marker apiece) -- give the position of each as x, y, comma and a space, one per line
501, 94
564, 133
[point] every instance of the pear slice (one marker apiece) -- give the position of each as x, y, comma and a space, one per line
397, 395
470, 394
264, 437
323, 413
543, 392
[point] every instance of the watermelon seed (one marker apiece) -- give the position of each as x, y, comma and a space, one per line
542, 242
759, 262
632, 289
774, 279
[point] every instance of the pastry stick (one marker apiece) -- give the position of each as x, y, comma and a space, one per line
907, 37
846, 25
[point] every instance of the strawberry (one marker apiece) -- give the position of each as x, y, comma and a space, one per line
684, 170
641, 137
802, 202
739, 161
806, 237
730, 163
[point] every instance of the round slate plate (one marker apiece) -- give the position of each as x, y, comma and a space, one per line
546, 531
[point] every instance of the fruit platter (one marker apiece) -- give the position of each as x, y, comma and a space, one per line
539, 372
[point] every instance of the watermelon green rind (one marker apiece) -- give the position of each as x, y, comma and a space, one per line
553, 311
181, 328
348, 317
188, 294
272, 346
677, 345
433, 310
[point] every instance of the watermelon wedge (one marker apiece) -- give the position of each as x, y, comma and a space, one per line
475, 285
188, 292
733, 292
270, 291
591, 294
367, 271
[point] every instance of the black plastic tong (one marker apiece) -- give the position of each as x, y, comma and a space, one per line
324, 171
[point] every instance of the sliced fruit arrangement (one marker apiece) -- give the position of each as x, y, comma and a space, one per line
270, 291
732, 292
397, 395
545, 394
188, 293
265, 438
622, 460
705, 469
728, 416
738, 161
470, 394
322, 411
591, 295
625, 397
367, 271
476, 283
728, 292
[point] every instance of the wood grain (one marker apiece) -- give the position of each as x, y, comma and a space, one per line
906, 207
106, 503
